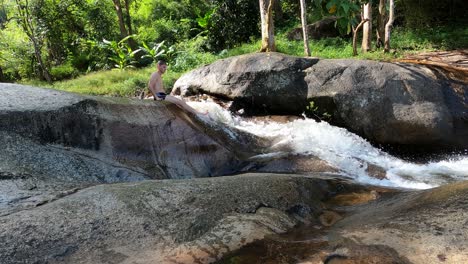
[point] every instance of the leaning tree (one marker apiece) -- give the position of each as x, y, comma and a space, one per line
389, 25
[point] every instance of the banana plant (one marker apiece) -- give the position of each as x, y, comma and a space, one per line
122, 55
158, 51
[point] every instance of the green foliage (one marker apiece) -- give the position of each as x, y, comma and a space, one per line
414, 14
190, 54
61, 23
190, 33
345, 10
100, 21
62, 72
169, 21
313, 111
433, 38
120, 53
16, 53
158, 51
205, 20
233, 22
249, 47
170, 30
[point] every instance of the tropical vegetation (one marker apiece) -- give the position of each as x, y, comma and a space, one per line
109, 47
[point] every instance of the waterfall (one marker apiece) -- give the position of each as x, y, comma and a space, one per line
344, 150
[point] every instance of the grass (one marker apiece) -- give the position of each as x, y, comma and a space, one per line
119, 83
130, 83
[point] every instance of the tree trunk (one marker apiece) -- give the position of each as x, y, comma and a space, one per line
382, 17
118, 10
388, 26
367, 28
266, 16
133, 44
128, 18
355, 31
125, 24
38, 55
2, 77
26, 23
304, 28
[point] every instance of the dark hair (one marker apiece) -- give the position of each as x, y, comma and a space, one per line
162, 62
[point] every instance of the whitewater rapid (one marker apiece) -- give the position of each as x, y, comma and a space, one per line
342, 149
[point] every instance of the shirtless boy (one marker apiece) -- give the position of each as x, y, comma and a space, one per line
156, 87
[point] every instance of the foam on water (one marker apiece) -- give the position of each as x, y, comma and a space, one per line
342, 149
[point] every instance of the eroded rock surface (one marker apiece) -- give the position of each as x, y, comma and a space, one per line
78, 138
374, 226
164, 221
55, 143
419, 227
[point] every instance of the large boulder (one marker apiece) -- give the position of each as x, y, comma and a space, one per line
164, 221
392, 103
387, 103
259, 83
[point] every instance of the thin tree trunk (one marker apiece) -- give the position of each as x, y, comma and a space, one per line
26, 20
355, 30
128, 18
388, 26
367, 28
37, 53
118, 10
2, 77
125, 25
266, 16
304, 28
381, 23
131, 42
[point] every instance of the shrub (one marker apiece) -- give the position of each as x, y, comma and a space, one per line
62, 72
232, 23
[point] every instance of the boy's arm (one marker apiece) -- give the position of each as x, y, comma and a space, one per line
151, 84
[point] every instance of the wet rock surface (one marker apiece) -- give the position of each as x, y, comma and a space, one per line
423, 227
376, 226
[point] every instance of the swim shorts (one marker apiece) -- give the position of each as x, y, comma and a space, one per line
161, 96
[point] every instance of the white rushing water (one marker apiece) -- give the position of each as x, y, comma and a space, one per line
344, 150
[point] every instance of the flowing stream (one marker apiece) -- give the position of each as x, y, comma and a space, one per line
344, 150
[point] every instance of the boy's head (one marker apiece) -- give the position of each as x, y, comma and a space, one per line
162, 66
